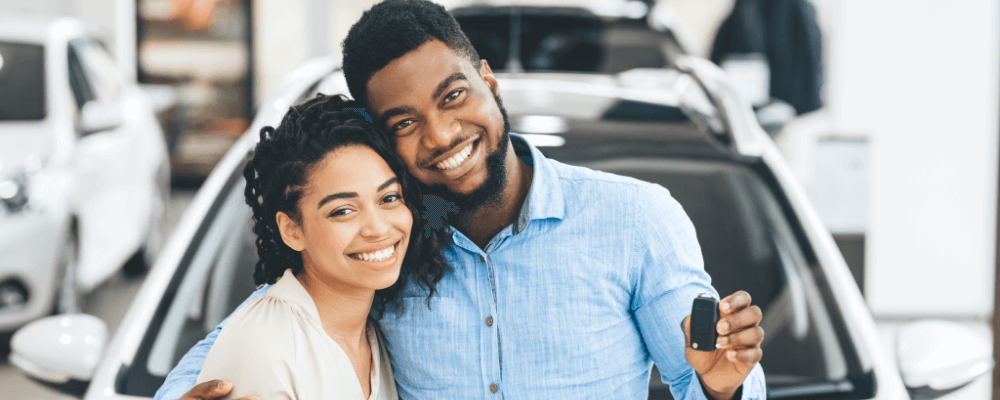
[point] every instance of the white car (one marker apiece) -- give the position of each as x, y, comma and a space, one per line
756, 229
84, 171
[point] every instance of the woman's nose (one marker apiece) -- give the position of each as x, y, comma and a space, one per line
375, 225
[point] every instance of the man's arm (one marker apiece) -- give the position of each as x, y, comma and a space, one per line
181, 380
669, 273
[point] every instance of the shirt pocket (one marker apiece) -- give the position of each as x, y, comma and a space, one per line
431, 350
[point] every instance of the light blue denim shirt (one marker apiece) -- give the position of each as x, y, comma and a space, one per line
576, 300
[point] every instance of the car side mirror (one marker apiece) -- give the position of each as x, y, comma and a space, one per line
97, 116
60, 351
938, 357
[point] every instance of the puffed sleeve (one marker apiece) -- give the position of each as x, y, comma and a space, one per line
256, 352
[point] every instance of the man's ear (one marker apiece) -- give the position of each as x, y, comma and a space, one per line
291, 231
487, 74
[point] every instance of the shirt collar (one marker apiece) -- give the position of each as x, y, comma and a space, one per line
545, 198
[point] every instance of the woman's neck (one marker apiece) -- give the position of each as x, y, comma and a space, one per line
343, 309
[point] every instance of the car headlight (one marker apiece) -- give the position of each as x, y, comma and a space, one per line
14, 194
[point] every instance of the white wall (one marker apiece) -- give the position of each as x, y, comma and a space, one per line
922, 80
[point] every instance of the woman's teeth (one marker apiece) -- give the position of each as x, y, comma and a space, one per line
380, 255
456, 159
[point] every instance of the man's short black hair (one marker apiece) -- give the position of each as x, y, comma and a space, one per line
393, 28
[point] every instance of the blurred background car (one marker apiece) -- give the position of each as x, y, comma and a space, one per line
84, 173
684, 128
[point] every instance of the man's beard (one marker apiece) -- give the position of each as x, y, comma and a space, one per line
442, 204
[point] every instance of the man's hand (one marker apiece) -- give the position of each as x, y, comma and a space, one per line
722, 371
212, 390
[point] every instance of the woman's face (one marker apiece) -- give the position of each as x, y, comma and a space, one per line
354, 224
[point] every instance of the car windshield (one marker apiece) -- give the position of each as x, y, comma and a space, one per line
562, 39
22, 82
747, 238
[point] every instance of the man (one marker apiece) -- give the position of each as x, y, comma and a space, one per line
567, 283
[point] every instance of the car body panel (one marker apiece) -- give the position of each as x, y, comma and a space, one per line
111, 185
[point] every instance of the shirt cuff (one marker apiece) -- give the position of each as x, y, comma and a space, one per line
753, 387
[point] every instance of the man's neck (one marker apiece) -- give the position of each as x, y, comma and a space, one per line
483, 224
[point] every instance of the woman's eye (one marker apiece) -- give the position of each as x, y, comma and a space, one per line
391, 198
342, 211
452, 96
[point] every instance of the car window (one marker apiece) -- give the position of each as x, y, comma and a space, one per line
215, 278
94, 69
563, 41
748, 244
22, 82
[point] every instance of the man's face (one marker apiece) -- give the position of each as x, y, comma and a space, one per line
444, 115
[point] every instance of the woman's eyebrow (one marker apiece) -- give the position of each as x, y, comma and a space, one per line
387, 183
335, 196
349, 195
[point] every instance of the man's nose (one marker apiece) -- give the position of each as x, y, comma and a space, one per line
442, 132
375, 225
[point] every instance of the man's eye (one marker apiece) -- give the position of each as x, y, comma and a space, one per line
403, 124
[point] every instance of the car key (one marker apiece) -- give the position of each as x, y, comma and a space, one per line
704, 317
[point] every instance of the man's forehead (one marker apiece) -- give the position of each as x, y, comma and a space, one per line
414, 76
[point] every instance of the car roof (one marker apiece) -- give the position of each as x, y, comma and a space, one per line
38, 29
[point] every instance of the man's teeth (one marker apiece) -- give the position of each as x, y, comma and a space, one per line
456, 159
380, 255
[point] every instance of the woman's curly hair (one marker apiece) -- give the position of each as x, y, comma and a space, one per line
278, 170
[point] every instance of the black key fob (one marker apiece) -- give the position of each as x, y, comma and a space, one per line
704, 317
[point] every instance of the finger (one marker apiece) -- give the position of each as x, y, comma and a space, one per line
686, 327
210, 390
734, 302
249, 398
745, 318
749, 356
746, 338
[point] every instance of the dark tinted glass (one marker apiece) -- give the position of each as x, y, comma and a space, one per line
22, 82
490, 36
749, 244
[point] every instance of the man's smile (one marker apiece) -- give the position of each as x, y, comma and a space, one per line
459, 161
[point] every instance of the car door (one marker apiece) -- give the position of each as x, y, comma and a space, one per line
112, 200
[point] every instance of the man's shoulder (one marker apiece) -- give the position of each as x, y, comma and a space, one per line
583, 178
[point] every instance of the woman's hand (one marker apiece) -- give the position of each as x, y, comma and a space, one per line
723, 371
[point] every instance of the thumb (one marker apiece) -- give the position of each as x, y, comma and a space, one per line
210, 390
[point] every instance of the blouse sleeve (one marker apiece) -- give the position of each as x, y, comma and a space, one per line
255, 351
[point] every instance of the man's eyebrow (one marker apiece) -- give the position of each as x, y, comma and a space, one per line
448, 81
335, 196
387, 183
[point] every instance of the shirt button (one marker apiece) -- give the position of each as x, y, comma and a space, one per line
481, 258
489, 321
493, 388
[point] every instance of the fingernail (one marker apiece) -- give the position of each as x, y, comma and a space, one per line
723, 327
725, 306
224, 385
723, 341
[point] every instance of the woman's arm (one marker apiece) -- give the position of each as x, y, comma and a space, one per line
256, 352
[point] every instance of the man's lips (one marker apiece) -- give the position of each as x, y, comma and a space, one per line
455, 157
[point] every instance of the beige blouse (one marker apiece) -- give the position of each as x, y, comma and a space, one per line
276, 348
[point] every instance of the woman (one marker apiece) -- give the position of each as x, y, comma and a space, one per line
334, 212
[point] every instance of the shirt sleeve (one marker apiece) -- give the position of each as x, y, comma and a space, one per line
669, 274
257, 352
183, 377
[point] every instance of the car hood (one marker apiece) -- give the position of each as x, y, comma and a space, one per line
22, 140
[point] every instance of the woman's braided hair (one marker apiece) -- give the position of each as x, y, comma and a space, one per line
278, 170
